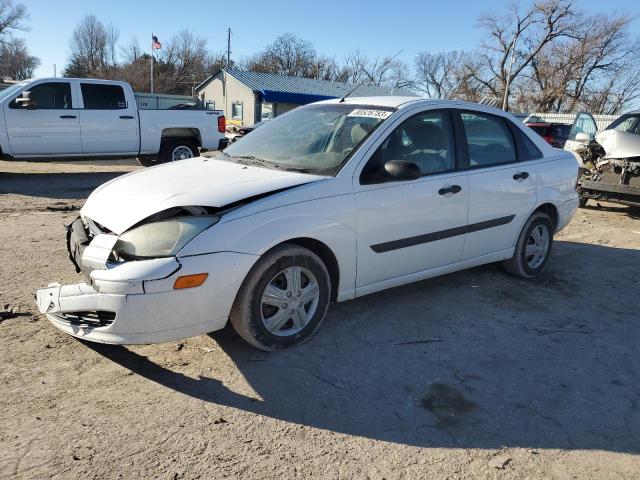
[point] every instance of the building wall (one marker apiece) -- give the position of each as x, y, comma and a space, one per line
224, 90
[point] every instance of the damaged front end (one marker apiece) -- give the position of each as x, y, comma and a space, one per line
611, 168
129, 241
132, 293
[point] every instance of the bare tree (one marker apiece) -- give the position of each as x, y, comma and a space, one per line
516, 39
185, 61
15, 61
287, 55
594, 69
131, 52
440, 75
93, 49
12, 18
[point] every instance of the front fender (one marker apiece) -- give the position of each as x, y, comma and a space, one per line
331, 221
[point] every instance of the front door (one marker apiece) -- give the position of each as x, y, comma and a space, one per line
585, 125
407, 227
47, 124
108, 121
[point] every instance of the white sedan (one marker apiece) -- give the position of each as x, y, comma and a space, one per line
328, 202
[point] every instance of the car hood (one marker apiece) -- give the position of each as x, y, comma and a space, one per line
619, 144
127, 200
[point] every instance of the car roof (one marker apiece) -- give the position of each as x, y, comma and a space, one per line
407, 102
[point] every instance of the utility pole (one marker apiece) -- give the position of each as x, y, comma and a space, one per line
228, 48
54, 71
505, 98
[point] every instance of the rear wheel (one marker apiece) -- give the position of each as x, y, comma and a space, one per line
283, 300
533, 247
179, 149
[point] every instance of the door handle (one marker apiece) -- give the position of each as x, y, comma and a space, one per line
452, 189
126, 117
521, 176
68, 116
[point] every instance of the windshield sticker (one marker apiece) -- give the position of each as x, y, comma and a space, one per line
369, 113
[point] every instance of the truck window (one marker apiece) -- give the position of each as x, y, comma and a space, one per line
98, 96
50, 96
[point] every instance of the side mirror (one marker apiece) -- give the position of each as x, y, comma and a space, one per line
24, 101
402, 170
583, 137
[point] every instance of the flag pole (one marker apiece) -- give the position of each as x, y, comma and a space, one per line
151, 62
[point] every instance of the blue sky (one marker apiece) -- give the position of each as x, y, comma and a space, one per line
376, 27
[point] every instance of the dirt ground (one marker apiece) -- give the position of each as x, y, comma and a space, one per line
472, 375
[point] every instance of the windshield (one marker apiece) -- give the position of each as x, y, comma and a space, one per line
313, 139
7, 92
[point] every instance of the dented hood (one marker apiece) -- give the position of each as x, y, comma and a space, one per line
619, 144
125, 201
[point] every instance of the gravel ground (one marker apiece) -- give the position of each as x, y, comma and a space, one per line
470, 375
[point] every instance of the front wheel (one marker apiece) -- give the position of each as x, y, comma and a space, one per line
283, 300
533, 247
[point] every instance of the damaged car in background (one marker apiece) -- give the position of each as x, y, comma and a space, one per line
328, 202
609, 159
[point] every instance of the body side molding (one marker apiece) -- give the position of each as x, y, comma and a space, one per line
441, 235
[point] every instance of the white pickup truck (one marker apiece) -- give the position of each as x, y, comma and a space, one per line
85, 118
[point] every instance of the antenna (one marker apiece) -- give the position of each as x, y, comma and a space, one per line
384, 64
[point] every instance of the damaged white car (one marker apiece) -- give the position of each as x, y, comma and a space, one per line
328, 202
609, 159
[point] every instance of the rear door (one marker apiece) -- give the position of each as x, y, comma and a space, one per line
502, 182
108, 120
49, 125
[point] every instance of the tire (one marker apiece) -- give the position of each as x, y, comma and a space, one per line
171, 147
521, 265
264, 318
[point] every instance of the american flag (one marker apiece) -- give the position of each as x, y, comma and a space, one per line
155, 44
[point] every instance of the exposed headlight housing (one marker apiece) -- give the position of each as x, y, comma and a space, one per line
162, 239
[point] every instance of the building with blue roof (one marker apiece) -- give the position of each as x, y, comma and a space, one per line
250, 97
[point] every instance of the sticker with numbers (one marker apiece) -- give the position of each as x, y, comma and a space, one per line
370, 113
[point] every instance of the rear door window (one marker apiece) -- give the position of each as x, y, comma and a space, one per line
489, 139
98, 96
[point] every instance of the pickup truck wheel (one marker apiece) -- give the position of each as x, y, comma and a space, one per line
283, 300
174, 150
533, 247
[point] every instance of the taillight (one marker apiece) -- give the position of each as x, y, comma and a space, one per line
222, 124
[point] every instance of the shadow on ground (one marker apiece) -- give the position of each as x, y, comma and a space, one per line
69, 185
475, 359
594, 205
